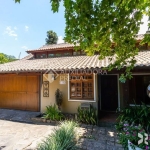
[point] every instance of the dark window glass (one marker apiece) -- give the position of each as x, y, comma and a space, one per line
76, 53
40, 55
138, 89
51, 55
57, 54
67, 54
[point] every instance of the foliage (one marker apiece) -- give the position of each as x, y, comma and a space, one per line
63, 138
6, 58
96, 24
133, 120
52, 37
53, 113
130, 132
138, 114
87, 115
58, 98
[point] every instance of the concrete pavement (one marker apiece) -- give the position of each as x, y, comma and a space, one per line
22, 136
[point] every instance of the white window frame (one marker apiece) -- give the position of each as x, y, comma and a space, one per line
82, 100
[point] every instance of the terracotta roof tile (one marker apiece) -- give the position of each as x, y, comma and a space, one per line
54, 46
28, 64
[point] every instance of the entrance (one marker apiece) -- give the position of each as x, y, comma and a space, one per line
108, 92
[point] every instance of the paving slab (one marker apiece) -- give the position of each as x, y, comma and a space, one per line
22, 136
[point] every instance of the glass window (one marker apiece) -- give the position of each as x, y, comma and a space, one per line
57, 54
40, 55
51, 55
76, 53
67, 54
81, 87
138, 89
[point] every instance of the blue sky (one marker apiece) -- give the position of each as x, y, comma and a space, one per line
23, 26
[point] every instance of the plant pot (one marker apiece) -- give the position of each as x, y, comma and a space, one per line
130, 145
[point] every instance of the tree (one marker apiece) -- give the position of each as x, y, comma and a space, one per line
52, 37
96, 24
6, 58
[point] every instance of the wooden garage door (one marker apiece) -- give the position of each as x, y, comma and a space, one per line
19, 92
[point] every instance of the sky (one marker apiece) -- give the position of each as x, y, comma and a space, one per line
23, 26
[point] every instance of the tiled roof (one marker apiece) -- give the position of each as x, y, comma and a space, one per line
67, 45
29, 64
54, 46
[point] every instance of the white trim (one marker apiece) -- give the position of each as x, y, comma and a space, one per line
118, 92
82, 100
137, 105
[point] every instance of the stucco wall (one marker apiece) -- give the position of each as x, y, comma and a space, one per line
67, 106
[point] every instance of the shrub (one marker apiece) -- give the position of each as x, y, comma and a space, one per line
63, 138
53, 113
87, 115
131, 121
138, 114
58, 98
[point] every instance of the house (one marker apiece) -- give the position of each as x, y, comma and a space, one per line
30, 83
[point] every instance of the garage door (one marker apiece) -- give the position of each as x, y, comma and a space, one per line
19, 92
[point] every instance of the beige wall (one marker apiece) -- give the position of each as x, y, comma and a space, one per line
67, 106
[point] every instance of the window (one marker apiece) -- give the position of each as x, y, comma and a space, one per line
58, 54
81, 87
51, 55
67, 54
40, 55
76, 53
138, 89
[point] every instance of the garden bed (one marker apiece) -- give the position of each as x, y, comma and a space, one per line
40, 119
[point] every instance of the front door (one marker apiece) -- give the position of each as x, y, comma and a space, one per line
108, 92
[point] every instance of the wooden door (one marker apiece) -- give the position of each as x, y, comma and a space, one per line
19, 92
109, 92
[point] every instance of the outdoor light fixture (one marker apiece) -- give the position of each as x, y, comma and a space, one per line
148, 91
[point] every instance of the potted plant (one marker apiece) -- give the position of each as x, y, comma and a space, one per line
58, 98
133, 121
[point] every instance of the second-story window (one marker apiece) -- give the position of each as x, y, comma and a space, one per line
41, 55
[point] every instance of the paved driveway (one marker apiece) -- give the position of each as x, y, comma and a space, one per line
18, 136
17, 115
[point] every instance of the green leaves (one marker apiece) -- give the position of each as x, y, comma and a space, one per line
6, 58
88, 116
53, 113
52, 37
96, 24
63, 138
17, 1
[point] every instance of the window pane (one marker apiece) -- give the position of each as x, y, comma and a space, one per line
40, 55
58, 55
51, 55
81, 87
76, 53
67, 54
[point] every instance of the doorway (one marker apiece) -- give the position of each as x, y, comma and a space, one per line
108, 92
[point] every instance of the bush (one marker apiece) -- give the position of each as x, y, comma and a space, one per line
131, 121
53, 113
63, 138
137, 114
87, 115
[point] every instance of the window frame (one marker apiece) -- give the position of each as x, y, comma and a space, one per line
82, 99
